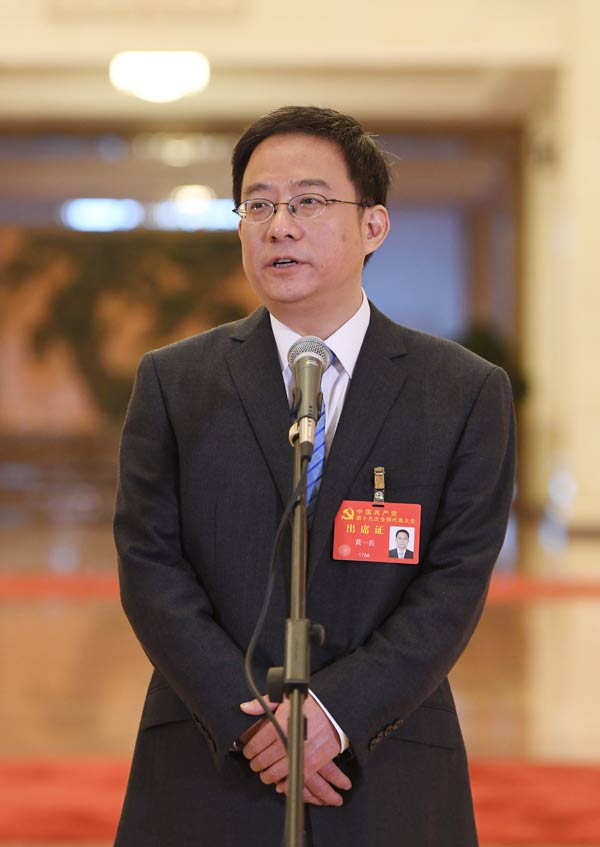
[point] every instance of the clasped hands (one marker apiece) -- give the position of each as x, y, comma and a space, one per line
267, 756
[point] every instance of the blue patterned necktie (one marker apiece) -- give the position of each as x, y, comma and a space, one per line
317, 460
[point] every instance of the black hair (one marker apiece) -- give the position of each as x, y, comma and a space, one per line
365, 161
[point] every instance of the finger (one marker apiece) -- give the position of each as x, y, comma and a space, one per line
275, 771
251, 731
307, 795
269, 758
253, 707
335, 776
323, 790
264, 738
317, 755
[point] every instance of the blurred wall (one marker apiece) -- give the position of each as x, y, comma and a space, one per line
432, 62
560, 451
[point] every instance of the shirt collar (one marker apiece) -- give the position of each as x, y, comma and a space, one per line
345, 342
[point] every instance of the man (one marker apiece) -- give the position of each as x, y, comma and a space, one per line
401, 551
205, 470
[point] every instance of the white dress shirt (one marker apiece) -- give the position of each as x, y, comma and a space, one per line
345, 342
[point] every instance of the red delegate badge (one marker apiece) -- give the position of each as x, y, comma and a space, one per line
388, 533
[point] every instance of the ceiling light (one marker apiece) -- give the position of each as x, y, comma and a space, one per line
192, 196
212, 215
160, 76
102, 214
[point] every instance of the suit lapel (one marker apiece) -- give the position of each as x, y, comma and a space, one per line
378, 378
255, 369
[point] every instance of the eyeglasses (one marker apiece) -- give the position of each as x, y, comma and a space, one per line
303, 206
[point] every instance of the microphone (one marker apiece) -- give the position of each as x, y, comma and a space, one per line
309, 358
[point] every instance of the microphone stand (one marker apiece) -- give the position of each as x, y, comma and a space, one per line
293, 679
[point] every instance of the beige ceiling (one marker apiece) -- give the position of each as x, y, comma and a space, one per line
385, 63
388, 65
80, 91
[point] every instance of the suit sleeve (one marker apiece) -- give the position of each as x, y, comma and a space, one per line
167, 606
407, 658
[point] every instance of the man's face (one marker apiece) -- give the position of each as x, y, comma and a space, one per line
328, 251
402, 541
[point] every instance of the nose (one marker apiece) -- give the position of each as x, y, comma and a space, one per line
282, 224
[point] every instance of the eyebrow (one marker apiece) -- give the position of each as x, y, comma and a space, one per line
311, 182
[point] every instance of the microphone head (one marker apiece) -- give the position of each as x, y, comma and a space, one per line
311, 345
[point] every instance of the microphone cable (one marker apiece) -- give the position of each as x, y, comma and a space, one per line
266, 602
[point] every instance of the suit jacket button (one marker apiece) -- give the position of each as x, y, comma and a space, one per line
388, 730
397, 724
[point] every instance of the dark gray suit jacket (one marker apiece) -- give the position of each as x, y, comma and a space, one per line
205, 470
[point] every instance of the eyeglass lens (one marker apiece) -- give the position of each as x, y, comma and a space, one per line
302, 206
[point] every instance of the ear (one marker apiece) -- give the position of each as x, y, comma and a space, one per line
375, 227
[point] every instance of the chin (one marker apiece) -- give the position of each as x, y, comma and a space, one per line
289, 292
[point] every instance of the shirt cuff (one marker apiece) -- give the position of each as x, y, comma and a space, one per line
344, 740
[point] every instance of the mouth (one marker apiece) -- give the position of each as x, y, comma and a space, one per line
284, 263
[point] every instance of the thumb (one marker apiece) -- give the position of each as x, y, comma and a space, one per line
253, 707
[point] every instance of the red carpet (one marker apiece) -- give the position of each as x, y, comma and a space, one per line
61, 800
519, 802
516, 802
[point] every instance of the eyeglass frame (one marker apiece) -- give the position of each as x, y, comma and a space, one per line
273, 206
